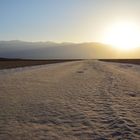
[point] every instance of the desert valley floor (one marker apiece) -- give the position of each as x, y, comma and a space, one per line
82, 100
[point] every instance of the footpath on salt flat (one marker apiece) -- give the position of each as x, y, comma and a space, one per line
75, 100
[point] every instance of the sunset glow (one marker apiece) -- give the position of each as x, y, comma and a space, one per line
124, 36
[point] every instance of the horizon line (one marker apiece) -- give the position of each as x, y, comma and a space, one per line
57, 42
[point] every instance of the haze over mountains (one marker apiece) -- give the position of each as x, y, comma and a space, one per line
52, 50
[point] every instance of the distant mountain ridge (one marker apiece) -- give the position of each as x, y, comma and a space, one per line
52, 50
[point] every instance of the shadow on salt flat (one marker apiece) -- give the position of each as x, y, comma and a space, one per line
80, 71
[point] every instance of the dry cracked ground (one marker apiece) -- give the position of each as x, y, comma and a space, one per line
84, 100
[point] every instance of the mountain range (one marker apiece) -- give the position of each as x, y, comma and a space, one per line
66, 50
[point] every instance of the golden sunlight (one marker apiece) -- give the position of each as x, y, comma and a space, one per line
124, 36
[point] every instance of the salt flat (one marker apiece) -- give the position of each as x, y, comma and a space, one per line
71, 101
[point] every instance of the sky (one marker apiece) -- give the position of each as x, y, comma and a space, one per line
63, 20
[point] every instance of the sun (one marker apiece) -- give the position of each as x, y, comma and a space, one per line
124, 36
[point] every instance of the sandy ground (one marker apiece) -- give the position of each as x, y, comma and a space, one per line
85, 100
